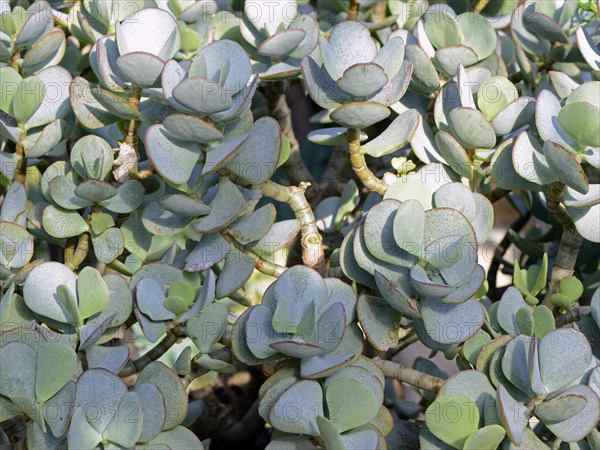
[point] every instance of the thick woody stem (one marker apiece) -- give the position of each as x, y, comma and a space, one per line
21, 168
76, 254
294, 167
575, 315
263, 266
131, 126
541, 65
570, 241
410, 376
313, 254
223, 354
353, 11
359, 164
133, 367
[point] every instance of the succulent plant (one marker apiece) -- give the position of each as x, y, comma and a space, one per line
280, 34
302, 316
354, 78
148, 237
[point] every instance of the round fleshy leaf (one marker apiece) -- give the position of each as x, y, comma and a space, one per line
46, 52
154, 408
332, 136
172, 157
478, 34
449, 58
17, 245
503, 172
102, 389
547, 109
349, 43
226, 205
92, 157
171, 387
87, 109
95, 191
211, 249
109, 358
494, 95
564, 355
510, 303
588, 48
192, 128
129, 197
485, 438
39, 22
306, 396
516, 114
202, 95
140, 68
115, 104
379, 321
465, 419
441, 26
582, 423
207, 328
471, 128
18, 377
132, 34
380, 231
454, 154
449, 324
55, 104
151, 300
362, 80
61, 223
39, 290
220, 54
257, 160
425, 77
513, 415
281, 43
529, 160
354, 396
126, 432
565, 165
400, 296
581, 121
360, 114
396, 136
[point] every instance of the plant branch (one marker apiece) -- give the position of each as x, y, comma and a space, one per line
497, 194
353, 11
263, 266
575, 315
313, 254
411, 376
223, 354
407, 340
295, 169
540, 65
76, 254
133, 367
359, 164
570, 241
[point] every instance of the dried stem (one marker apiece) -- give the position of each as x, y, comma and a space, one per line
353, 11
263, 266
570, 241
411, 376
313, 254
133, 367
294, 167
359, 164
575, 315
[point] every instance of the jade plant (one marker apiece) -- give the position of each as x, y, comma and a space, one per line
183, 266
